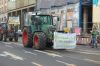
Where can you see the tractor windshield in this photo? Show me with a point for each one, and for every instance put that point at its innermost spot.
(42, 19)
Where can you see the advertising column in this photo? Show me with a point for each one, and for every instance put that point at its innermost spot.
(73, 15)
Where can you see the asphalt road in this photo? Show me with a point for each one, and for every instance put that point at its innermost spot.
(14, 54)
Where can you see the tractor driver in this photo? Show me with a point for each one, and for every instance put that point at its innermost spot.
(37, 22)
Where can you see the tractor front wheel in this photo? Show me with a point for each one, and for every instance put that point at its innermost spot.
(27, 38)
(10, 39)
(39, 40)
(1, 37)
(5, 37)
(16, 39)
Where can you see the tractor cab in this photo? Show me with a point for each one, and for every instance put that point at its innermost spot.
(41, 22)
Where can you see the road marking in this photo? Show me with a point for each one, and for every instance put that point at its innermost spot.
(36, 64)
(54, 55)
(18, 44)
(3, 55)
(93, 61)
(9, 43)
(6, 43)
(15, 57)
(8, 46)
(65, 63)
(50, 54)
(52, 51)
(29, 52)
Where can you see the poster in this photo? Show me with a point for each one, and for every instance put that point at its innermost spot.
(77, 30)
(14, 20)
(73, 15)
(64, 40)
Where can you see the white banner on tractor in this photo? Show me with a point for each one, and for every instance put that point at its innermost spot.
(64, 40)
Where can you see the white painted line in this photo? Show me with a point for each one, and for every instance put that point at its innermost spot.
(29, 52)
(93, 61)
(9, 46)
(62, 62)
(6, 43)
(3, 55)
(54, 55)
(18, 44)
(52, 51)
(40, 51)
(67, 64)
(36, 64)
(50, 54)
(15, 57)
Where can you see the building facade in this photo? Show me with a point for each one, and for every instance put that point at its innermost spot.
(86, 15)
(3, 10)
(19, 8)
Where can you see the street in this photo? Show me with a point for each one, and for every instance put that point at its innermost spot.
(14, 54)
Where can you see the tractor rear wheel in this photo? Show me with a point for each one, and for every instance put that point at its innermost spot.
(1, 37)
(10, 39)
(16, 39)
(5, 37)
(11, 36)
(27, 38)
(39, 40)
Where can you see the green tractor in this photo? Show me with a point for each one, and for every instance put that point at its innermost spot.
(38, 31)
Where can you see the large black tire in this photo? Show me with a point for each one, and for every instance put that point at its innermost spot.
(16, 39)
(39, 40)
(1, 37)
(49, 43)
(11, 39)
(27, 38)
(11, 36)
(5, 37)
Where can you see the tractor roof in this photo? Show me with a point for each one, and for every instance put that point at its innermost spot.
(42, 15)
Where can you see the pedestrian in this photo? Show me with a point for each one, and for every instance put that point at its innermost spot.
(94, 37)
